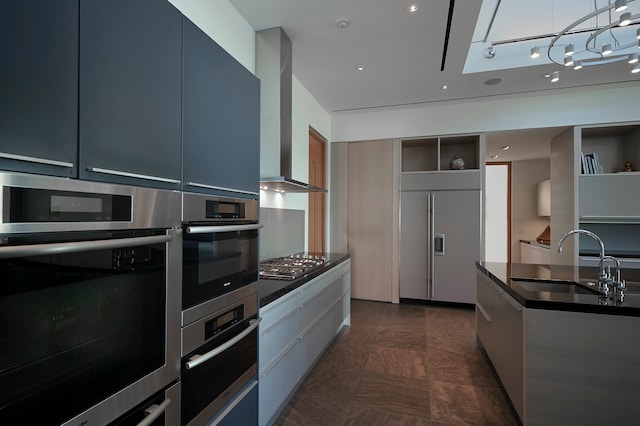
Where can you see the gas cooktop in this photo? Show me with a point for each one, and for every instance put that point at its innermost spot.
(290, 267)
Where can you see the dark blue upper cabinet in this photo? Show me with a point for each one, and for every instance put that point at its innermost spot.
(39, 87)
(221, 119)
(130, 92)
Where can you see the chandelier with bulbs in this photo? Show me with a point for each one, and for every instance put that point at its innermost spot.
(613, 41)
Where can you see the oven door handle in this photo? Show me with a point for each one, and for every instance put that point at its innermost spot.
(221, 228)
(153, 412)
(196, 360)
(76, 246)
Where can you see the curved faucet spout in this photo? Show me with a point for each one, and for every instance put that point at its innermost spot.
(582, 231)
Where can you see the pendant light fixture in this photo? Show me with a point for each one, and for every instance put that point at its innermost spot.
(620, 5)
(535, 52)
(609, 41)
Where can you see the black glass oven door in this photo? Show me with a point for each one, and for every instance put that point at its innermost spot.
(77, 325)
(217, 260)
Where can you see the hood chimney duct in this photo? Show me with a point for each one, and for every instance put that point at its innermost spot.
(274, 68)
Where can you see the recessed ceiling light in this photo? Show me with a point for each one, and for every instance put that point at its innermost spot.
(412, 8)
(506, 147)
(494, 156)
(445, 87)
(360, 68)
(342, 22)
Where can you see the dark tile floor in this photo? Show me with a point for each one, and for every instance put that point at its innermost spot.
(402, 365)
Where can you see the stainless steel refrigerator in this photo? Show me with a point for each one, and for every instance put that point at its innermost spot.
(439, 245)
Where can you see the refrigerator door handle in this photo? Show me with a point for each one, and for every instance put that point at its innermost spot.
(430, 245)
(438, 244)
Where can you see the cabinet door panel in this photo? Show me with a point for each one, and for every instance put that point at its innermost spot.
(414, 245)
(221, 142)
(244, 413)
(276, 382)
(39, 87)
(457, 218)
(130, 92)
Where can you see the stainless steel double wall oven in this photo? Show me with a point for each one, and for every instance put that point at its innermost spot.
(89, 301)
(219, 307)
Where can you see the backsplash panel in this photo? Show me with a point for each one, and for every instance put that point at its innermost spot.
(282, 232)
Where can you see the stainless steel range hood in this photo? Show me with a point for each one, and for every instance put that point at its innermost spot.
(273, 67)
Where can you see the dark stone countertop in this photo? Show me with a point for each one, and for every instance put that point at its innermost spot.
(513, 278)
(270, 290)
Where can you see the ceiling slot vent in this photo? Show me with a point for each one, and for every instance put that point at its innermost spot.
(446, 36)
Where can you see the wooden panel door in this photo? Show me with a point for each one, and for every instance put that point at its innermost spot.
(316, 199)
(370, 218)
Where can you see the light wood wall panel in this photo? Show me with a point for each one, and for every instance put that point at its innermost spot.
(338, 196)
(564, 171)
(370, 219)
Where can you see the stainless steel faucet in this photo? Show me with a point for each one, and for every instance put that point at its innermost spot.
(606, 281)
(582, 231)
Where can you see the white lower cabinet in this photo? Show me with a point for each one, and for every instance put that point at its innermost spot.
(294, 332)
(499, 322)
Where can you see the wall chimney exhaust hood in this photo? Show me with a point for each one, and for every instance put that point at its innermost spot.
(274, 69)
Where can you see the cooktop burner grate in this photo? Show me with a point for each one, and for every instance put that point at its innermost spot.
(290, 267)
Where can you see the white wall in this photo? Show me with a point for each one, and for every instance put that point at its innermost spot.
(222, 22)
(564, 107)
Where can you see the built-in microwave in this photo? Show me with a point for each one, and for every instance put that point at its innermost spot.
(220, 250)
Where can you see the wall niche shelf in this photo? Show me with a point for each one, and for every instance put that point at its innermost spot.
(433, 154)
(614, 146)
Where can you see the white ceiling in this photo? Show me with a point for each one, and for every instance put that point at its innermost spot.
(402, 53)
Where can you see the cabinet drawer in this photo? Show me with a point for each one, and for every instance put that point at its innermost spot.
(276, 382)
(277, 336)
(315, 339)
(484, 309)
(275, 310)
(314, 307)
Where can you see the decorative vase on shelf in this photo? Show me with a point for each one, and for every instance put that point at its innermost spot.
(456, 163)
(628, 166)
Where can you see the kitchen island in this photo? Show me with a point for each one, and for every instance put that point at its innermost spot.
(300, 318)
(564, 353)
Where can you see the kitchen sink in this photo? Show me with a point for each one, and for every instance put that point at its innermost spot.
(554, 286)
